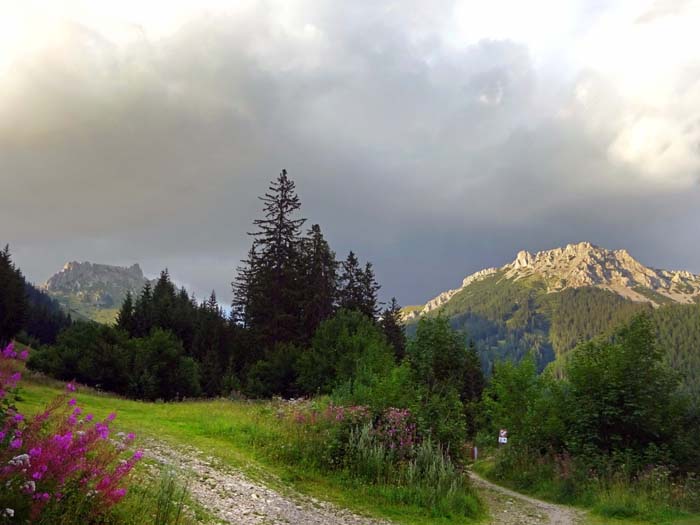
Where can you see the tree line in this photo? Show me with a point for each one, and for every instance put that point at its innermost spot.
(288, 285)
(26, 313)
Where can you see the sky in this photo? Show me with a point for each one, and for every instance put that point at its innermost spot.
(434, 138)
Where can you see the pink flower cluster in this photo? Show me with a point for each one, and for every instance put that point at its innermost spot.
(44, 458)
(354, 414)
(8, 376)
(397, 430)
(309, 415)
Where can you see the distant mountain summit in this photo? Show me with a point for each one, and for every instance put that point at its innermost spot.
(585, 265)
(94, 291)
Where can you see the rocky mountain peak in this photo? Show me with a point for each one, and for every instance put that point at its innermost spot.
(94, 285)
(585, 264)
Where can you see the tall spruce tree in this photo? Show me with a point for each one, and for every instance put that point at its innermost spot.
(273, 284)
(369, 286)
(164, 299)
(13, 299)
(321, 278)
(358, 288)
(242, 289)
(143, 312)
(125, 317)
(350, 286)
(393, 328)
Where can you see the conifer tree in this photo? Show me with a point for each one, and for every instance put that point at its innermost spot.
(212, 305)
(350, 295)
(242, 290)
(125, 317)
(474, 381)
(393, 328)
(370, 303)
(143, 312)
(272, 286)
(164, 297)
(321, 278)
(13, 299)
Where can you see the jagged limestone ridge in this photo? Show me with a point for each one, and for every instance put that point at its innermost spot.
(585, 264)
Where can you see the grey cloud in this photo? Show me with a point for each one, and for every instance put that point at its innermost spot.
(429, 160)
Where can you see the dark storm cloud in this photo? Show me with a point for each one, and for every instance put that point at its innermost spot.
(430, 159)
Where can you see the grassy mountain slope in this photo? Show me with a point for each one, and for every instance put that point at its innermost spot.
(509, 319)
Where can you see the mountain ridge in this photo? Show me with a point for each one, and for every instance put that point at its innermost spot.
(94, 290)
(581, 265)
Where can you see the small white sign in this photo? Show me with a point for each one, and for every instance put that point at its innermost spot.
(502, 439)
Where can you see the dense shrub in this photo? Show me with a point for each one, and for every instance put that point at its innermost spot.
(160, 369)
(92, 354)
(348, 349)
(622, 396)
(446, 378)
(384, 450)
(104, 357)
(275, 374)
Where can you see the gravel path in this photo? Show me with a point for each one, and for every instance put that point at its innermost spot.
(511, 508)
(233, 498)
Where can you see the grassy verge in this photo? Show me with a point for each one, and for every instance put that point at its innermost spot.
(246, 435)
(608, 502)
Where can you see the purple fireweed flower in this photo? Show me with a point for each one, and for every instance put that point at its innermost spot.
(77, 411)
(70, 387)
(131, 436)
(36, 451)
(111, 417)
(72, 402)
(89, 417)
(9, 351)
(24, 355)
(102, 430)
(16, 443)
(138, 455)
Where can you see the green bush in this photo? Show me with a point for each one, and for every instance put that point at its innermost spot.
(104, 357)
(348, 349)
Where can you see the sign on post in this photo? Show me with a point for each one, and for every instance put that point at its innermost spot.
(503, 436)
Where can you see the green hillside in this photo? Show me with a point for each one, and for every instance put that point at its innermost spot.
(509, 319)
(82, 310)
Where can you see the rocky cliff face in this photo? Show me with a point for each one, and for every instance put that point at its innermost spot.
(584, 264)
(98, 286)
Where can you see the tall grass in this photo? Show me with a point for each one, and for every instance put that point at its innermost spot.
(428, 479)
(419, 473)
(653, 495)
(160, 501)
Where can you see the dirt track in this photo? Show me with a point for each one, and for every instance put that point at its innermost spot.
(508, 507)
